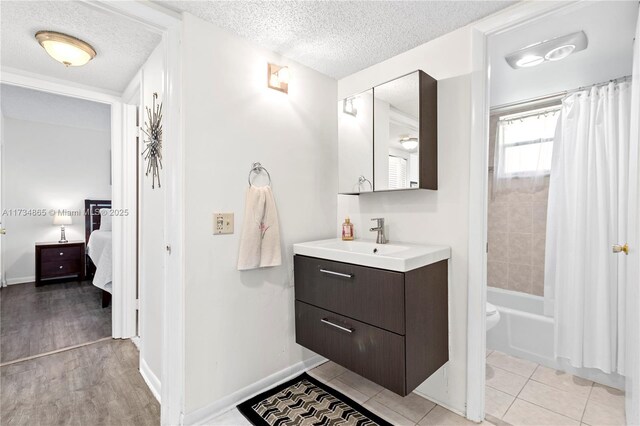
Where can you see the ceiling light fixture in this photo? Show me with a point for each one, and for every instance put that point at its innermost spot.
(278, 77)
(529, 61)
(409, 143)
(548, 50)
(560, 52)
(70, 51)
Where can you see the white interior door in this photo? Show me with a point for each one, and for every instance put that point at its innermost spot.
(632, 267)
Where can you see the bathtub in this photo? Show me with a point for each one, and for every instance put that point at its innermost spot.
(525, 332)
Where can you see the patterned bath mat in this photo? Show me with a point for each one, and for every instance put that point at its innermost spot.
(304, 401)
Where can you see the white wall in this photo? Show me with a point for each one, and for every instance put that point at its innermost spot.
(439, 217)
(151, 237)
(355, 158)
(3, 281)
(240, 325)
(48, 166)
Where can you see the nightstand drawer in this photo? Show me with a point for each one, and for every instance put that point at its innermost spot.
(61, 268)
(55, 254)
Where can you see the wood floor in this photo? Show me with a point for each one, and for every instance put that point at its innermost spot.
(97, 384)
(36, 320)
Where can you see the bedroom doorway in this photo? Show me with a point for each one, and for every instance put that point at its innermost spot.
(56, 210)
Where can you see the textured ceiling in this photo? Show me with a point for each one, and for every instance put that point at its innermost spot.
(32, 105)
(339, 38)
(122, 45)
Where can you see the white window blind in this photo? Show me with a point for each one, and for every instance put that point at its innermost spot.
(397, 172)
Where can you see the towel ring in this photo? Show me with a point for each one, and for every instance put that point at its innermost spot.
(362, 180)
(257, 168)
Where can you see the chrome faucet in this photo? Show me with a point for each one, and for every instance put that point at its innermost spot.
(381, 239)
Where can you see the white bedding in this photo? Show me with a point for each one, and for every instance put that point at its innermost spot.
(100, 251)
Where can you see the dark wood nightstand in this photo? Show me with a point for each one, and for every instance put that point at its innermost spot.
(59, 260)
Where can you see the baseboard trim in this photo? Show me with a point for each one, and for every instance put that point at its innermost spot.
(20, 280)
(150, 379)
(438, 402)
(209, 412)
(136, 341)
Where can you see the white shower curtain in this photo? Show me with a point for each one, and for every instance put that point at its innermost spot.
(586, 216)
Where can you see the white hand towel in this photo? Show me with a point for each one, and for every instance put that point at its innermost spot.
(260, 238)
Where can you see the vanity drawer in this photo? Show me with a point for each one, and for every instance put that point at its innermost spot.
(59, 253)
(370, 295)
(376, 354)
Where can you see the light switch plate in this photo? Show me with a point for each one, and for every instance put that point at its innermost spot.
(222, 223)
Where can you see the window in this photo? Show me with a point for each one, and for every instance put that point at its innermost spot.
(525, 143)
(397, 172)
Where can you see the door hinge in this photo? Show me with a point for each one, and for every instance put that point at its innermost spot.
(137, 304)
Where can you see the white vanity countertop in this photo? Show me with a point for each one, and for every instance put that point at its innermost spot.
(401, 257)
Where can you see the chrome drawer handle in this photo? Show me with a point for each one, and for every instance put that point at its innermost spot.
(60, 266)
(326, 321)
(337, 274)
(61, 253)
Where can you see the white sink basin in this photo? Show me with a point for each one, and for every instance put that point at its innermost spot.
(399, 257)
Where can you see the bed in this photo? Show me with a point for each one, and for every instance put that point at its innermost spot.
(99, 247)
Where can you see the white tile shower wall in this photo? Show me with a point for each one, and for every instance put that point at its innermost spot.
(517, 221)
(240, 325)
(431, 217)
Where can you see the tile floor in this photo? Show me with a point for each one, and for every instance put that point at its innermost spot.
(521, 392)
(518, 392)
(410, 410)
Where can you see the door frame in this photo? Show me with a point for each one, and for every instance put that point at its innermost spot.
(169, 25)
(123, 237)
(506, 20)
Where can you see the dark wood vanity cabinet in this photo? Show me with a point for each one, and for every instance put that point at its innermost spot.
(390, 327)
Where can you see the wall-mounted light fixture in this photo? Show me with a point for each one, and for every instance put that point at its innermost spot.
(409, 143)
(349, 106)
(548, 50)
(278, 77)
(69, 50)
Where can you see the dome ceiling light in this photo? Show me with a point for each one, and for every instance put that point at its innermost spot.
(66, 49)
(409, 143)
(548, 51)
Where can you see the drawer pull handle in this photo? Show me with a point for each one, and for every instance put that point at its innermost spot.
(326, 321)
(337, 274)
(60, 266)
(61, 253)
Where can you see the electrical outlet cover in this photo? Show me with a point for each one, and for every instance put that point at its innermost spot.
(222, 223)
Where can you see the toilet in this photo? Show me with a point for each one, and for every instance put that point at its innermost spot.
(493, 316)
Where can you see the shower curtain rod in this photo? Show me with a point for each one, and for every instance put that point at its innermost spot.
(553, 96)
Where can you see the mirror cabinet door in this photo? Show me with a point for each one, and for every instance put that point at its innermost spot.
(355, 147)
(397, 134)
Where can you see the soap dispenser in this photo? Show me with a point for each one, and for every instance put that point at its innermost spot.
(347, 230)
